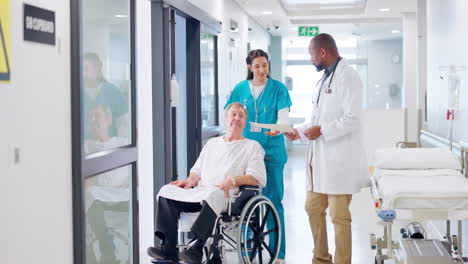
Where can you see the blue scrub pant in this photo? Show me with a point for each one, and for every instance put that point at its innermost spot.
(274, 191)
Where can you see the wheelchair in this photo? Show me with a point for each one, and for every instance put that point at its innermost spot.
(241, 233)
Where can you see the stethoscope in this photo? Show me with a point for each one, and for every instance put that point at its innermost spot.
(328, 90)
(259, 100)
(255, 101)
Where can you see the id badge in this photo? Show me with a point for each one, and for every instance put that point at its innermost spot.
(255, 129)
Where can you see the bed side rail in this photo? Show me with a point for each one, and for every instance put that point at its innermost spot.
(464, 160)
(406, 144)
(375, 194)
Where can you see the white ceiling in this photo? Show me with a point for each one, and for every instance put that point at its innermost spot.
(322, 2)
(356, 17)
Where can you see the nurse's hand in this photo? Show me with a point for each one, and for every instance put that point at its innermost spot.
(312, 133)
(293, 135)
(272, 133)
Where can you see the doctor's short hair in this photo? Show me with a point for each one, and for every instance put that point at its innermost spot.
(253, 54)
(235, 105)
(327, 42)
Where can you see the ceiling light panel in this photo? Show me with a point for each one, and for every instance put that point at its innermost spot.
(320, 2)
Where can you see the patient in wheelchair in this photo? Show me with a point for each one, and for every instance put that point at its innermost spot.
(106, 195)
(224, 164)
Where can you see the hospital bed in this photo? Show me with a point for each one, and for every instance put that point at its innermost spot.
(419, 184)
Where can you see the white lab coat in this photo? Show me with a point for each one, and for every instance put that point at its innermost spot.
(338, 156)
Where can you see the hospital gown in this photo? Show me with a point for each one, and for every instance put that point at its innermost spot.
(217, 161)
(111, 186)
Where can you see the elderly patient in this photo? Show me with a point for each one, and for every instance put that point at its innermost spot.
(224, 164)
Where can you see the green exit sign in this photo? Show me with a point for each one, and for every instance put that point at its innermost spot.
(307, 31)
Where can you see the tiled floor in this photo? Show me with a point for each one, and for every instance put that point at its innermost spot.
(299, 243)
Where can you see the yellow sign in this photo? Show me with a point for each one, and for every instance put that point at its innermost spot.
(5, 58)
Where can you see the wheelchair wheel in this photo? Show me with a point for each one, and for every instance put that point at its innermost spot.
(256, 241)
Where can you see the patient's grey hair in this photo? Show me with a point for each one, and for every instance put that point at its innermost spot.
(235, 105)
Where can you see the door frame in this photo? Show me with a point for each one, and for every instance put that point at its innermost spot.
(163, 66)
(84, 167)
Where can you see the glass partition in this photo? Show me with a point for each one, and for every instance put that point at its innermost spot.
(104, 146)
(106, 74)
(108, 216)
(209, 93)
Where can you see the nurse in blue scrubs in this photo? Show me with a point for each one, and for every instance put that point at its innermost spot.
(267, 101)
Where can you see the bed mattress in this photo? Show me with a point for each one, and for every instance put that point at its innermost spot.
(424, 189)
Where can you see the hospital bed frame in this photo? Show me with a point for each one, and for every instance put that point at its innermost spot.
(386, 242)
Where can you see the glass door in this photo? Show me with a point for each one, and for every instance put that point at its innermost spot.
(104, 132)
(181, 114)
(209, 86)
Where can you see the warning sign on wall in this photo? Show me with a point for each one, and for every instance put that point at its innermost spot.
(5, 74)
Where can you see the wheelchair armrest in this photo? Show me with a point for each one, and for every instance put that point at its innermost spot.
(245, 193)
(249, 187)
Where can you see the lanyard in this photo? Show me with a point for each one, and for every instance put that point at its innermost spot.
(259, 98)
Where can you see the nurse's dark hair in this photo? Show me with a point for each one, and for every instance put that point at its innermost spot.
(235, 105)
(327, 42)
(94, 59)
(253, 54)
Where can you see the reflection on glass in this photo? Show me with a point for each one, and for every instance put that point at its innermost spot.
(106, 74)
(107, 214)
(100, 130)
(208, 100)
(382, 76)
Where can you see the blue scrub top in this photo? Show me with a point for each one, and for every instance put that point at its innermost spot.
(109, 96)
(275, 97)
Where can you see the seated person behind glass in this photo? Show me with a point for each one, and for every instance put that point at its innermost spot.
(99, 91)
(106, 192)
(100, 122)
(224, 164)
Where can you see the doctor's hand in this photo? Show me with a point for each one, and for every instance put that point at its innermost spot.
(292, 135)
(226, 186)
(312, 133)
(272, 133)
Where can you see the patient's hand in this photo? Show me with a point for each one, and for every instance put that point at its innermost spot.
(226, 186)
(186, 184)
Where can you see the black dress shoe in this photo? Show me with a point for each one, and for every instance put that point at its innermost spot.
(192, 255)
(163, 253)
(215, 260)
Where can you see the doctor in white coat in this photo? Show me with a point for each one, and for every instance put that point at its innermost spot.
(336, 159)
